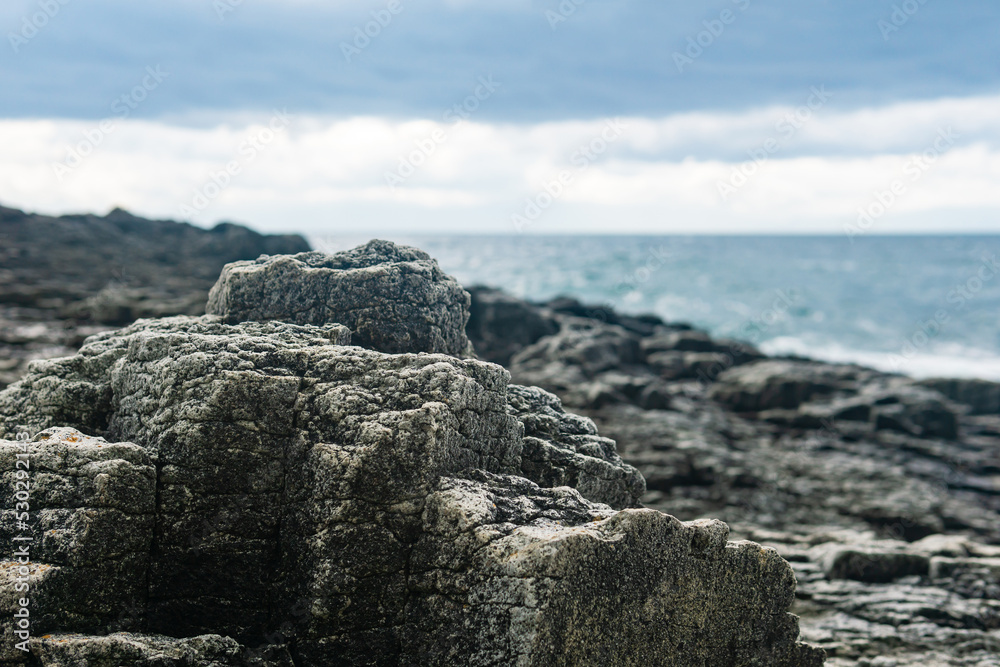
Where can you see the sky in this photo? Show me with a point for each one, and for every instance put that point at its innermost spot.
(507, 116)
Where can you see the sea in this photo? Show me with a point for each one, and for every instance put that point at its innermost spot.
(925, 306)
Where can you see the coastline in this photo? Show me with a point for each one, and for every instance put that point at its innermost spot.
(879, 491)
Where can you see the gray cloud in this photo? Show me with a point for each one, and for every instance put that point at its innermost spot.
(608, 57)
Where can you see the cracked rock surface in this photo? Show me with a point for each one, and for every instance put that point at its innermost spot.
(264, 493)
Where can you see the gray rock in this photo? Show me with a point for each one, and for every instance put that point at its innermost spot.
(358, 507)
(590, 346)
(500, 325)
(915, 410)
(91, 517)
(393, 298)
(876, 566)
(703, 366)
(946, 615)
(680, 341)
(902, 408)
(122, 648)
(772, 384)
(563, 449)
(65, 278)
(591, 364)
(642, 325)
(982, 396)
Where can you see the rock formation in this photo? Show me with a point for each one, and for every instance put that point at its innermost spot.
(882, 492)
(237, 489)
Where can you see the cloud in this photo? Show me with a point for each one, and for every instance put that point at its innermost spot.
(608, 58)
(656, 175)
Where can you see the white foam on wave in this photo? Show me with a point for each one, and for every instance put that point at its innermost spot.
(953, 360)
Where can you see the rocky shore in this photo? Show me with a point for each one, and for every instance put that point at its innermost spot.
(255, 490)
(326, 469)
(882, 492)
(65, 278)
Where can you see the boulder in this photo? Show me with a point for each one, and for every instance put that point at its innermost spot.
(393, 298)
(590, 364)
(65, 278)
(703, 366)
(641, 325)
(588, 345)
(902, 408)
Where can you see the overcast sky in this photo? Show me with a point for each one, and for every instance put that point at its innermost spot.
(507, 116)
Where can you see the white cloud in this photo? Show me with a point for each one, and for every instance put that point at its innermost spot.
(659, 175)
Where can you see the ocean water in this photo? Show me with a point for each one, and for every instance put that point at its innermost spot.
(920, 305)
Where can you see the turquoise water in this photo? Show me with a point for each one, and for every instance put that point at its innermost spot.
(920, 305)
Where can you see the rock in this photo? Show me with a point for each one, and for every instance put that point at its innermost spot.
(562, 449)
(972, 577)
(772, 384)
(354, 507)
(982, 396)
(788, 470)
(914, 410)
(587, 363)
(904, 409)
(500, 325)
(641, 325)
(693, 354)
(92, 514)
(824, 393)
(703, 366)
(121, 648)
(63, 279)
(578, 619)
(874, 566)
(590, 346)
(948, 615)
(943, 545)
(393, 298)
(680, 341)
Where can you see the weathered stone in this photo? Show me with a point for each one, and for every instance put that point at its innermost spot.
(913, 410)
(703, 366)
(589, 364)
(393, 298)
(642, 325)
(657, 603)
(590, 346)
(366, 508)
(122, 648)
(90, 519)
(562, 449)
(65, 278)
